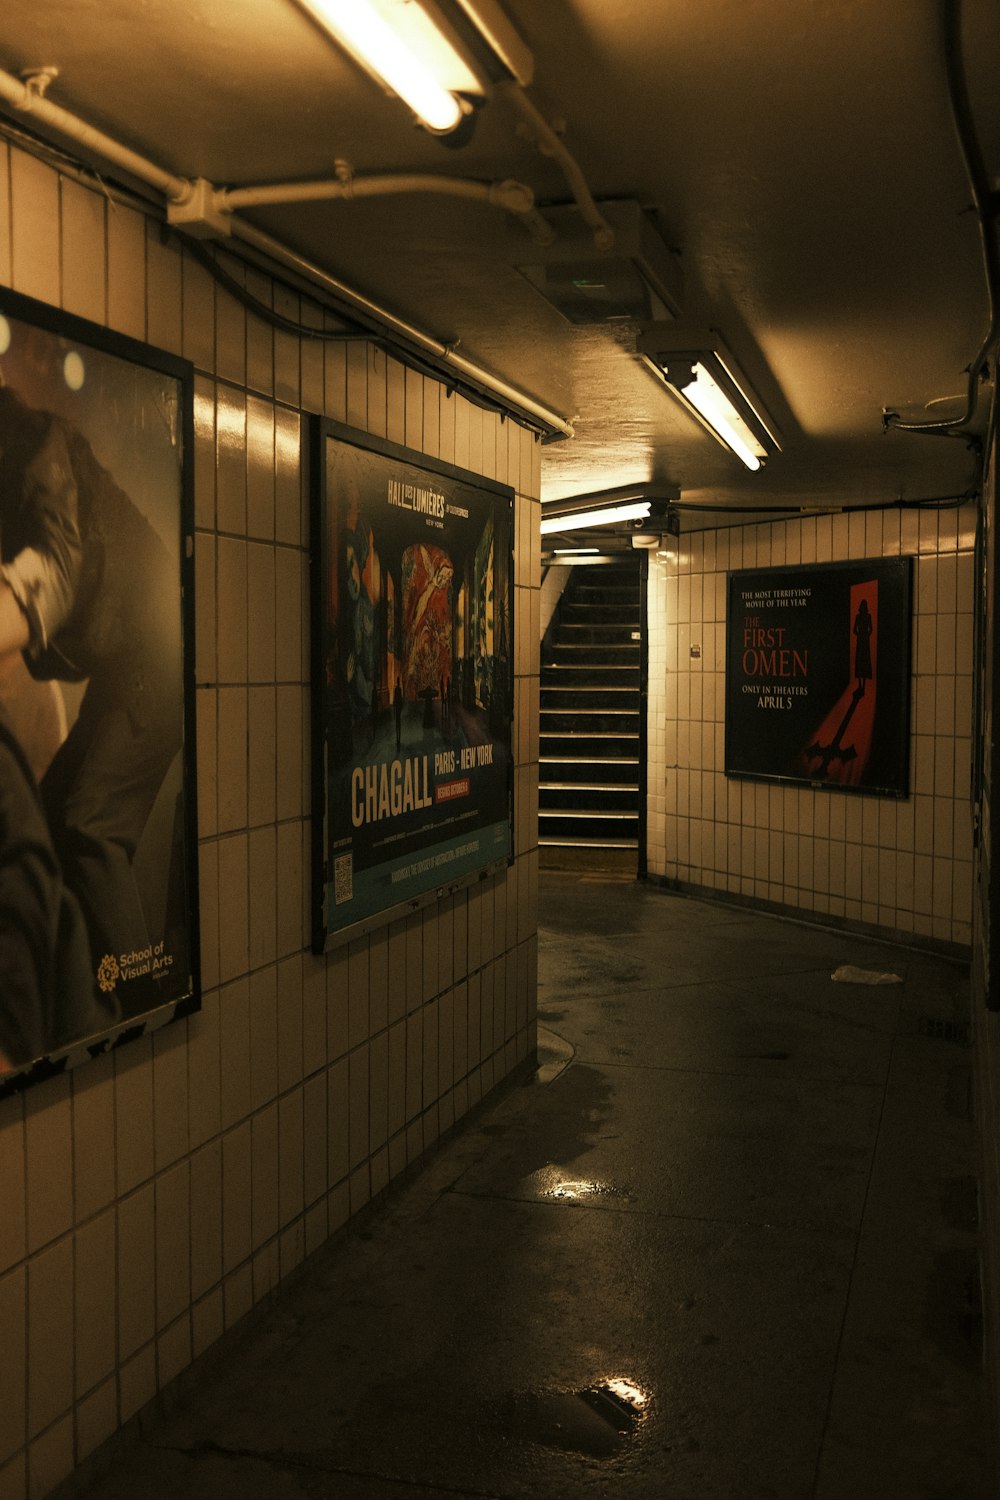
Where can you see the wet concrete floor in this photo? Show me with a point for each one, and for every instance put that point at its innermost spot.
(722, 1247)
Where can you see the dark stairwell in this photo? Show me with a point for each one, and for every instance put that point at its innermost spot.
(589, 728)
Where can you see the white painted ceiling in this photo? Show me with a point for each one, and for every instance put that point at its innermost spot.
(799, 154)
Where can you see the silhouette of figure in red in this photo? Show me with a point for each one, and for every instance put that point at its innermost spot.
(863, 651)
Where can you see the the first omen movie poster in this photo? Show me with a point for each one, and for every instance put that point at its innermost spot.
(818, 675)
(412, 679)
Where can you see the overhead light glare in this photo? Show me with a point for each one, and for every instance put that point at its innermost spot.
(398, 42)
(579, 520)
(699, 371)
(711, 401)
(579, 559)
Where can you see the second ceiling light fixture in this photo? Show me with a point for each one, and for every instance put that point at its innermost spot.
(440, 58)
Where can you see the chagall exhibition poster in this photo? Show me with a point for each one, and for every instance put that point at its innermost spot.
(412, 678)
(818, 675)
(98, 929)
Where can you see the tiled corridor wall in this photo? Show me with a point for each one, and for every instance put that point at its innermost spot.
(150, 1199)
(903, 866)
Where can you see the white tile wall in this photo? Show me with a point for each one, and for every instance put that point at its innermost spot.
(151, 1198)
(903, 866)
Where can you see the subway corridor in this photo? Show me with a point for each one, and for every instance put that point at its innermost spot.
(723, 1246)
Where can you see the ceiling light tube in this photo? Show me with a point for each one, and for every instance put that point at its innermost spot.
(578, 520)
(711, 401)
(398, 42)
(699, 371)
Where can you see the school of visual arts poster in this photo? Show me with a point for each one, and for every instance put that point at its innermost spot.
(97, 905)
(818, 675)
(413, 678)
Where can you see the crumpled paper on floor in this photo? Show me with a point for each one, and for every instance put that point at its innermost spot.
(851, 974)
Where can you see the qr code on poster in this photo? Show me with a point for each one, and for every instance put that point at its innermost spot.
(343, 879)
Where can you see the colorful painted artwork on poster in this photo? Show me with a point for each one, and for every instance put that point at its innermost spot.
(818, 675)
(97, 898)
(413, 678)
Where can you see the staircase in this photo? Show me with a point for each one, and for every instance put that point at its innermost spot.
(588, 800)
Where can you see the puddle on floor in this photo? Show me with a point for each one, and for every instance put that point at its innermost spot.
(553, 1181)
(598, 1421)
(576, 1192)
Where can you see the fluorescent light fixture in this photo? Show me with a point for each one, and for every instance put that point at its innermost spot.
(435, 54)
(574, 551)
(625, 502)
(579, 520)
(399, 44)
(698, 369)
(708, 398)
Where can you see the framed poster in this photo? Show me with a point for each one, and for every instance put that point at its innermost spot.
(98, 897)
(818, 675)
(413, 679)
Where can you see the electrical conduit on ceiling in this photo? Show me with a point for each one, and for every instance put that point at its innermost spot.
(29, 98)
(534, 127)
(986, 204)
(515, 197)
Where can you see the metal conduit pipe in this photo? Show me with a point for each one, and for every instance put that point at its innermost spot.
(372, 313)
(515, 197)
(28, 98)
(985, 201)
(548, 143)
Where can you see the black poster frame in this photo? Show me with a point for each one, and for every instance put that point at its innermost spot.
(106, 802)
(383, 515)
(818, 675)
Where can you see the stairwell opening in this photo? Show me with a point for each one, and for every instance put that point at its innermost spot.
(592, 721)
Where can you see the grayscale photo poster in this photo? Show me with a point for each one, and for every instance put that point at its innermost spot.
(412, 678)
(98, 908)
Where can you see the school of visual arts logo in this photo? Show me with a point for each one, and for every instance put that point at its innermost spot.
(108, 972)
